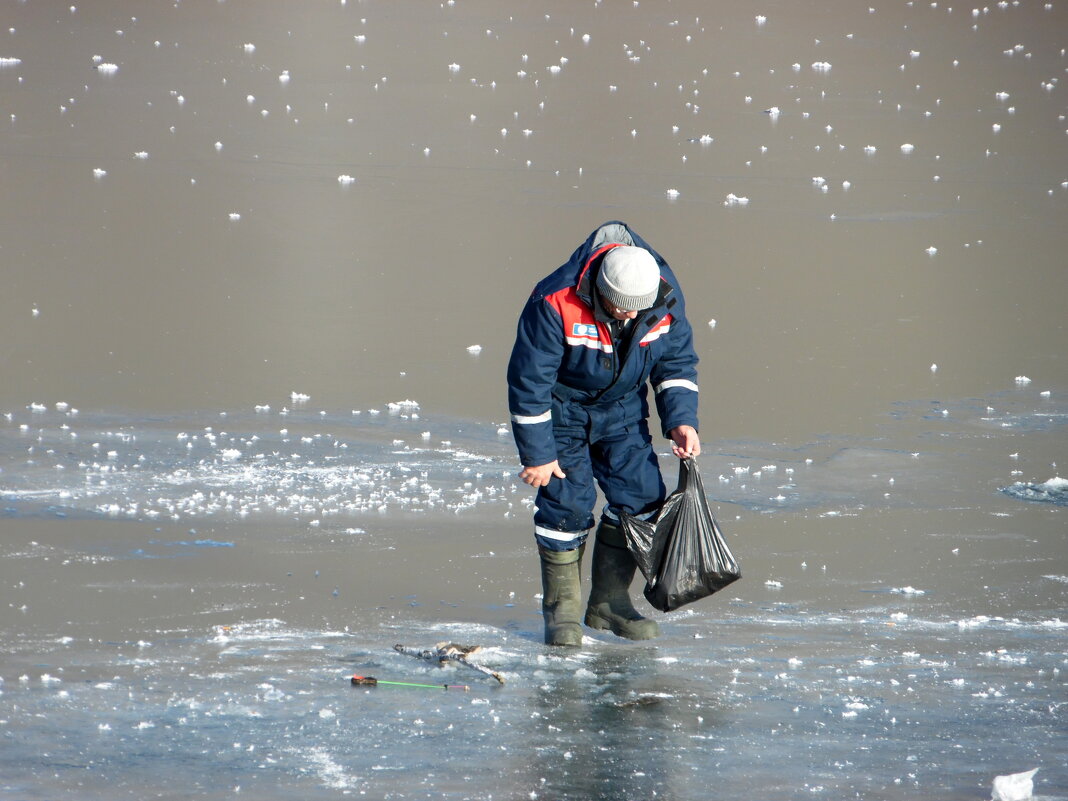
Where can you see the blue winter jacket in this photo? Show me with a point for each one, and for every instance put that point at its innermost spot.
(565, 375)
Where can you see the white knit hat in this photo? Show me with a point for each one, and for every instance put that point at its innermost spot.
(629, 278)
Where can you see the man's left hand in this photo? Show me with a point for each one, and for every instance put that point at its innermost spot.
(685, 442)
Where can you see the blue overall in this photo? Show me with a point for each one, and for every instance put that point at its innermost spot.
(577, 391)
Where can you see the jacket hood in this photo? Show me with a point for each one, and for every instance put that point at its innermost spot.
(613, 232)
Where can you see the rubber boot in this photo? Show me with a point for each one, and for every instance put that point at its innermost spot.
(561, 603)
(610, 606)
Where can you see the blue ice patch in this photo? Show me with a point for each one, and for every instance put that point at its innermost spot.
(1054, 491)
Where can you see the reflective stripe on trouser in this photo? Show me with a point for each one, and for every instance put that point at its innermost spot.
(622, 464)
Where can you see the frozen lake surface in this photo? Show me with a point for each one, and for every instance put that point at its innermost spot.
(236, 237)
(875, 702)
(849, 662)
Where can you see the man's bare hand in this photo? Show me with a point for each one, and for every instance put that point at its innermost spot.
(541, 475)
(685, 442)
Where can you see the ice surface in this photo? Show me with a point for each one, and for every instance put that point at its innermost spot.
(361, 468)
(278, 696)
(837, 698)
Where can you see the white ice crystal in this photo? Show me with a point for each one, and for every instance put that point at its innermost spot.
(1014, 786)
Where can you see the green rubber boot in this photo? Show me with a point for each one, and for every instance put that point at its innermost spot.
(610, 606)
(561, 602)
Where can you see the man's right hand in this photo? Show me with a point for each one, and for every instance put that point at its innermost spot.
(542, 474)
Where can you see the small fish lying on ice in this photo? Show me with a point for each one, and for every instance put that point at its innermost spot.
(450, 652)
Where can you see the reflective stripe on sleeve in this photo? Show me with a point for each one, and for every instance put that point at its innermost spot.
(675, 382)
(527, 420)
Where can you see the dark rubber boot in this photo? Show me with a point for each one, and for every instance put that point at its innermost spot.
(610, 606)
(561, 596)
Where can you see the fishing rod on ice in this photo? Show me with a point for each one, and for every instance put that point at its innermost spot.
(371, 681)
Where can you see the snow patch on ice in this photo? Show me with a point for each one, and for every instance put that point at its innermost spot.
(1014, 786)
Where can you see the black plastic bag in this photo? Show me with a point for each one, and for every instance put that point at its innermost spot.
(681, 551)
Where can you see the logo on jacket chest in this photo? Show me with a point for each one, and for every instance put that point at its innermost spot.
(587, 330)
